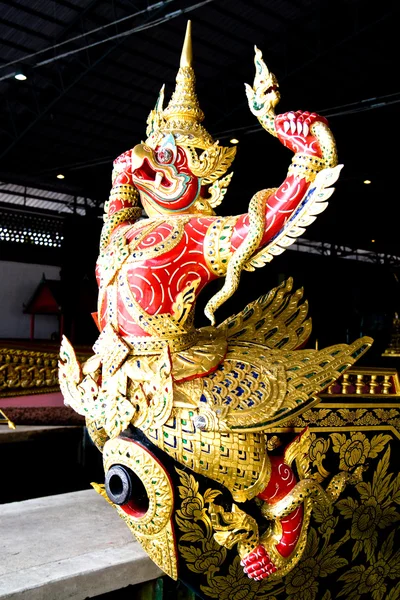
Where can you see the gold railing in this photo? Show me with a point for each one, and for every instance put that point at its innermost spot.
(24, 372)
(366, 381)
(27, 372)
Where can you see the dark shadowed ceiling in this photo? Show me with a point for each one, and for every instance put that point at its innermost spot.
(86, 100)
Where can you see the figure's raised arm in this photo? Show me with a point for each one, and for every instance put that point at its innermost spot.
(180, 173)
(275, 216)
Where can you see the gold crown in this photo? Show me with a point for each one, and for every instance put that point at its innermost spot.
(182, 118)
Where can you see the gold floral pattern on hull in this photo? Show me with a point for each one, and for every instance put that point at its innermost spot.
(192, 518)
(350, 549)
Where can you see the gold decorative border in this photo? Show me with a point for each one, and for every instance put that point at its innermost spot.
(154, 529)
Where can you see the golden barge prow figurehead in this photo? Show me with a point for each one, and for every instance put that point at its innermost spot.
(183, 415)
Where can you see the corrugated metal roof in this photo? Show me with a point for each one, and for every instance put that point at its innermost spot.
(75, 115)
(31, 197)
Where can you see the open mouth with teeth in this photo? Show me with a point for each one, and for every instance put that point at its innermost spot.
(164, 185)
(148, 174)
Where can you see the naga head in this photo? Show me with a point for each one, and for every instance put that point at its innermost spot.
(264, 95)
(180, 168)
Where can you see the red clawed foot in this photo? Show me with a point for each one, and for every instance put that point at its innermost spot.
(257, 565)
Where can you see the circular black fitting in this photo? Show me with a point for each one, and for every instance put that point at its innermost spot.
(119, 484)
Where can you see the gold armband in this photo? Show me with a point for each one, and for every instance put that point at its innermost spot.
(217, 245)
(122, 192)
(110, 223)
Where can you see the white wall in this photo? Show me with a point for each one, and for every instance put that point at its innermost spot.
(18, 281)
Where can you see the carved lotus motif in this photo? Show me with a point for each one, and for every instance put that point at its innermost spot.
(235, 585)
(208, 561)
(318, 448)
(354, 451)
(301, 583)
(193, 508)
(366, 518)
(373, 580)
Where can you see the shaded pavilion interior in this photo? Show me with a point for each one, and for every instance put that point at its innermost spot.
(93, 71)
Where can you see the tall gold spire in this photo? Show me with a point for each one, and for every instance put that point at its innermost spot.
(184, 105)
(187, 51)
(182, 118)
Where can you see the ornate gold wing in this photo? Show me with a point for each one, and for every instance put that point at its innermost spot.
(309, 372)
(275, 320)
(256, 388)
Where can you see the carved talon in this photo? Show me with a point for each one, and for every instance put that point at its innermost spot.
(294, 130)
(257, 565)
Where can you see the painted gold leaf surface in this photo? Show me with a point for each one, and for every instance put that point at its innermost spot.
(352, 550)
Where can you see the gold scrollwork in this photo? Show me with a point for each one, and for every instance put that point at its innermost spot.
(154, 529)
(325, 416)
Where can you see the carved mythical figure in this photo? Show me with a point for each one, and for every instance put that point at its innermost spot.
(161, 397)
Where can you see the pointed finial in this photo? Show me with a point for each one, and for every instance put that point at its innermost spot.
(184, 104)
(187, 53)
(183, 117)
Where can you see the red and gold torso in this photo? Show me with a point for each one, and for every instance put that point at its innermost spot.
(168, 254)
(165, 258)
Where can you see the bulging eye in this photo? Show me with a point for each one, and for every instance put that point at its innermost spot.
(165, 155)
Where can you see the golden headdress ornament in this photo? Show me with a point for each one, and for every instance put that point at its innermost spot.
(182, 118)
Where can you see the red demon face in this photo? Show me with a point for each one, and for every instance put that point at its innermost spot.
(163, 178)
